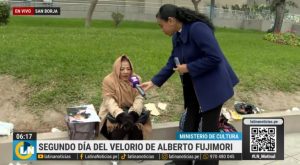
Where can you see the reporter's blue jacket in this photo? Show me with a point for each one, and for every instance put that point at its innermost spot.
(212, 76)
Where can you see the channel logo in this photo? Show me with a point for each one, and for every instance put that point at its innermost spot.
(24, 150)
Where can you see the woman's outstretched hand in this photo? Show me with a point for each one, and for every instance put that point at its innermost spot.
(147, 85)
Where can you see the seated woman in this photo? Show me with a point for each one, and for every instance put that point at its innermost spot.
(121, 111)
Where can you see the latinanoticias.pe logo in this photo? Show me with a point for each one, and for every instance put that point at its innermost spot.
(24, 150)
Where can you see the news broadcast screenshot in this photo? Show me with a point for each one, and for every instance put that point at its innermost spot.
(149, 82)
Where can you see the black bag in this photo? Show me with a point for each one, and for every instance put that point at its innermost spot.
(223, 124)
(82, 131)
(244, 108)
(142, 119)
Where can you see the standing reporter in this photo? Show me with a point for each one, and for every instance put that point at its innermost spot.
(207, 77)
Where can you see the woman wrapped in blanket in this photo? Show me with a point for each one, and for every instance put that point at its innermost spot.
(122, 111)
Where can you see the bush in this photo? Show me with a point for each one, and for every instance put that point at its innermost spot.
(117, 17)
(225, 7)
(4, 13)
(288, 38)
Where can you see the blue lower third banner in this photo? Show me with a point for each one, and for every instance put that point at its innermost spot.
(187, 146)
(209, 136)
(211, 146)
(262, 139)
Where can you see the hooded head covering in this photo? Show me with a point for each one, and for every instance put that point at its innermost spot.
(117, 88)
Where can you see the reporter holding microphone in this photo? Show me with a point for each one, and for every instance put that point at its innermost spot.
(207, 78)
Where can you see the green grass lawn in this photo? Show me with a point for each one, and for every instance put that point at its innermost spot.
(64, 63)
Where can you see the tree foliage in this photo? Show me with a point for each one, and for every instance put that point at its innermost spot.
(4, 13)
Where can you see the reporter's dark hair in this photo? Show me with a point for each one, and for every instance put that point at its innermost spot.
(182, 14)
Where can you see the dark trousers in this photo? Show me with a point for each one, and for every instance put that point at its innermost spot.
(197, 121)
(203, 122)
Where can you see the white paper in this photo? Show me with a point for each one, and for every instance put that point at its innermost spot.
(6, 128)
(151, 107)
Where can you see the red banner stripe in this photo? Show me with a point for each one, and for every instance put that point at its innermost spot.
(23, 10)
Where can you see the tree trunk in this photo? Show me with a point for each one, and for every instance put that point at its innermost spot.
(196, 3)
(212, 9)
(89, 15)
(279, 15)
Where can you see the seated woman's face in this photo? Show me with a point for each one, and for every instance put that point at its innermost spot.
(125, 70)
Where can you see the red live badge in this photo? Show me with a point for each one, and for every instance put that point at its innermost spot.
(23, 10)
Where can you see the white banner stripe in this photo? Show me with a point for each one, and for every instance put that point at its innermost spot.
(144, 146)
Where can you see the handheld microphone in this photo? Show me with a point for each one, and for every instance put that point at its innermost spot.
(135, 82)
(176, 60)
